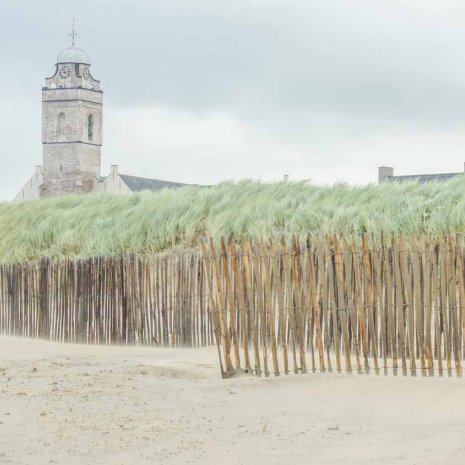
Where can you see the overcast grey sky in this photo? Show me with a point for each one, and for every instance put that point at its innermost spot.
(202, 91)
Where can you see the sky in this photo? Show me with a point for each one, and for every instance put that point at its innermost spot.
(206, 91)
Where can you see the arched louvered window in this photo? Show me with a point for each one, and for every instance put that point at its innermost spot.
(90, 127)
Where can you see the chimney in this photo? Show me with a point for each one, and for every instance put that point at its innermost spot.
(384, 172)
(38, 169)
(113, 171)
(286, 178)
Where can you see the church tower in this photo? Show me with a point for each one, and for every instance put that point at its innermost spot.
(71, 126)
(72, 104)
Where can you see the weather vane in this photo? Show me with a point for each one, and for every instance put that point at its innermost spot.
(74, 33)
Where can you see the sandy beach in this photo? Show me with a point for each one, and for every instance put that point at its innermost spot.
(77, 404)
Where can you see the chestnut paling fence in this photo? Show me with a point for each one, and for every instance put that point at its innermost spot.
(132, 299)
(389, 304)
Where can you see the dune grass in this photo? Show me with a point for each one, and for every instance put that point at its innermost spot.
(103, 224)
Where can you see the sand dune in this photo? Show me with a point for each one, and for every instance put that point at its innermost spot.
(73, 404)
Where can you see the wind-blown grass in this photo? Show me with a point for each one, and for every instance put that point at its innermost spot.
(104, 224)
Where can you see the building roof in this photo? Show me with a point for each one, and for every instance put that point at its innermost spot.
(422, 178)
(136, 183)
(73, 55)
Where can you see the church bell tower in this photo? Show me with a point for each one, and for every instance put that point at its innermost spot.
(71, 126)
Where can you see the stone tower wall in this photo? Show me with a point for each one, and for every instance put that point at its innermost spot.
(75, 105)
(71, 150)
(70, 168)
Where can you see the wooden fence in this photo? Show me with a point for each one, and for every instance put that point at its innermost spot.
(324, 304)
(155, 300)
(338, 303)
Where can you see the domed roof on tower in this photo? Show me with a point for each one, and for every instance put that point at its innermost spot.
(73, 55)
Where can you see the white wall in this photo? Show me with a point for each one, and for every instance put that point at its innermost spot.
(30, 191)
(113, 184)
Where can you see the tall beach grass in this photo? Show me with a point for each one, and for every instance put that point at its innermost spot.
(104, 224)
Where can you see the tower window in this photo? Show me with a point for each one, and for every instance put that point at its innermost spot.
(61, 126)
(90, 127)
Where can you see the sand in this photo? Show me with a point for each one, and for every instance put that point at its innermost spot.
(76, 404)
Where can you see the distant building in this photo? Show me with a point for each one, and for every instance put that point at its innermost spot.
(386, 174)
(125, 184)
(72, 123)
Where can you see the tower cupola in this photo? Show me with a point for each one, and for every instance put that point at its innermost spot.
(72, 69)
(73, 55)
